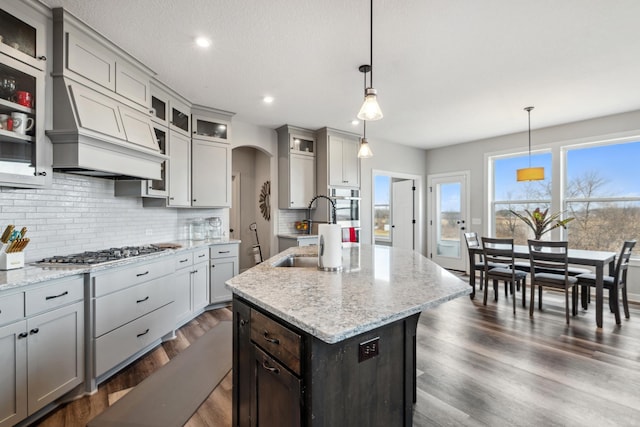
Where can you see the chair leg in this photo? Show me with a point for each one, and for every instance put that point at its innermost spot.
(486, 292)
(495, 290)
(574, 300)
(584, 291)
(625, 301)
(481, 279)
(524, 292)
(507, 285)
(613, 299)
(540, 297)
(566, 303)
(533, 297)
(513, 297)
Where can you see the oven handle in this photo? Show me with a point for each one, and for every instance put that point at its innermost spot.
(346, 198)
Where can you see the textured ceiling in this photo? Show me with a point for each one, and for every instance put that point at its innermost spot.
(446, 71)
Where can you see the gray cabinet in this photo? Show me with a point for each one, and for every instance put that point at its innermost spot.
(210, 174)
(296, 167)
(42, 349)
(338, 162)
(224, 265)
(25, 159)
(132, 309)
(179, 170)
(191, 283)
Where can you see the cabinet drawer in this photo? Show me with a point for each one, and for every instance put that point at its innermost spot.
(277, 339)
(11, 308)
(120, 344)
(183, 260)
(132, 275)
(54, 295)
(123, 306)
(200, 255)
(224, 251)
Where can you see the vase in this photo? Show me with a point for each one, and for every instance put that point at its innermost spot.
(537, 247)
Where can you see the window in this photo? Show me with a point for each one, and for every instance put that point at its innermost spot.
(510, 194)
(599, 190)
(603, 195)
(381, 206)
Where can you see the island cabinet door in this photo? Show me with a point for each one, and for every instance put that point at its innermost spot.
(276, 394)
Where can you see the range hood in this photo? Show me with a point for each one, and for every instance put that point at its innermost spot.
(94, 134)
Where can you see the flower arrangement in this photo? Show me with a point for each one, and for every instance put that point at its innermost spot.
(540, 223)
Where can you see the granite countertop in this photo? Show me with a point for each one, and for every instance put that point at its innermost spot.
(33, 273)
(378, 285)
(298, 236)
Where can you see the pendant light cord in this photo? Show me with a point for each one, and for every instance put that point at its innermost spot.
(528, 110)
(371, 45)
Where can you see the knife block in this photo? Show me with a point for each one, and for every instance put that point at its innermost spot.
(9, 261)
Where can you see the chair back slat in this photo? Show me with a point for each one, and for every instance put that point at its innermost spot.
(622, 262)
(546, 255)
(497, 251)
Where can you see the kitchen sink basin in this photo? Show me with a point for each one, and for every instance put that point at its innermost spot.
(298, 261)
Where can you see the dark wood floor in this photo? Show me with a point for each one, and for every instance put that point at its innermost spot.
(477, 366)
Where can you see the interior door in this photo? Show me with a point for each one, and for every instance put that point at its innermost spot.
(448, 219)
(402, 215)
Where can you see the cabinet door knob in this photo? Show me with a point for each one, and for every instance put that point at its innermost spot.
(22, 335)
(34, 331)
(42, 58)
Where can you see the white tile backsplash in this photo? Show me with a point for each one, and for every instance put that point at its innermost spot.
(287, 219)
(81, 213)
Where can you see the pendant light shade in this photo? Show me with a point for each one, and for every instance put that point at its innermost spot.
(365, 151)
(530, 173)
(370, 109)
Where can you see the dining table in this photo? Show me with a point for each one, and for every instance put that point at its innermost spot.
(596, 259)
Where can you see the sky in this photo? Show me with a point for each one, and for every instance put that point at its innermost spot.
(617, 164)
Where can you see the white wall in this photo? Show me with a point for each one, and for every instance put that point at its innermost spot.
(265, 140)
(471, 156)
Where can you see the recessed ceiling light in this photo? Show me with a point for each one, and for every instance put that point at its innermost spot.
(355, 122)
(268, 99)
(203, 42)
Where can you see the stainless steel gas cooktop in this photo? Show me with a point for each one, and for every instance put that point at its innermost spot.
(92, 258)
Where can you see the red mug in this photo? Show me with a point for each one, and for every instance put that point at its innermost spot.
(23, 98)
(9, 123)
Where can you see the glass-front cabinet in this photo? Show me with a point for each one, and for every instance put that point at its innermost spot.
(25, 154)
(210, 129)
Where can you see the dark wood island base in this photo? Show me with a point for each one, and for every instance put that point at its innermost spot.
(283, 376)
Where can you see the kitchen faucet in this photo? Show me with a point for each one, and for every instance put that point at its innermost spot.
(333, 207)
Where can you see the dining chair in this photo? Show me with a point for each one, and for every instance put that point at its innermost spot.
(498, 262)
(616, 284)
(549, 268)
(473, 243)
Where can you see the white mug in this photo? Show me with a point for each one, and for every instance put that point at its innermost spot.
(22, 123)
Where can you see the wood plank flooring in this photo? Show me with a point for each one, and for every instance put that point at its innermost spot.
(477, 366)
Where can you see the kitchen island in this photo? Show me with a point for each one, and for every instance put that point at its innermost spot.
(332, 349)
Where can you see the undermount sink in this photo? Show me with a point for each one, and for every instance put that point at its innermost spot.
(298, 261)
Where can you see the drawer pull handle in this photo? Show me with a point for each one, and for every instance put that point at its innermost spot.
(57, 296)
(184, 260)
(144, 333)
(142, 274)
(271, 340)
(201, 256)
(142, 300)
(22, 335)
(273, 369)
(34, 331)
(223, 252)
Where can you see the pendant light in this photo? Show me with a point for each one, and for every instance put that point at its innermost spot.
(530, 173)
(365, 150)
(370, 109)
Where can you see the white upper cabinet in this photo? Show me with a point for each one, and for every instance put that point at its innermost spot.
(338, 162)
(296, 167)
